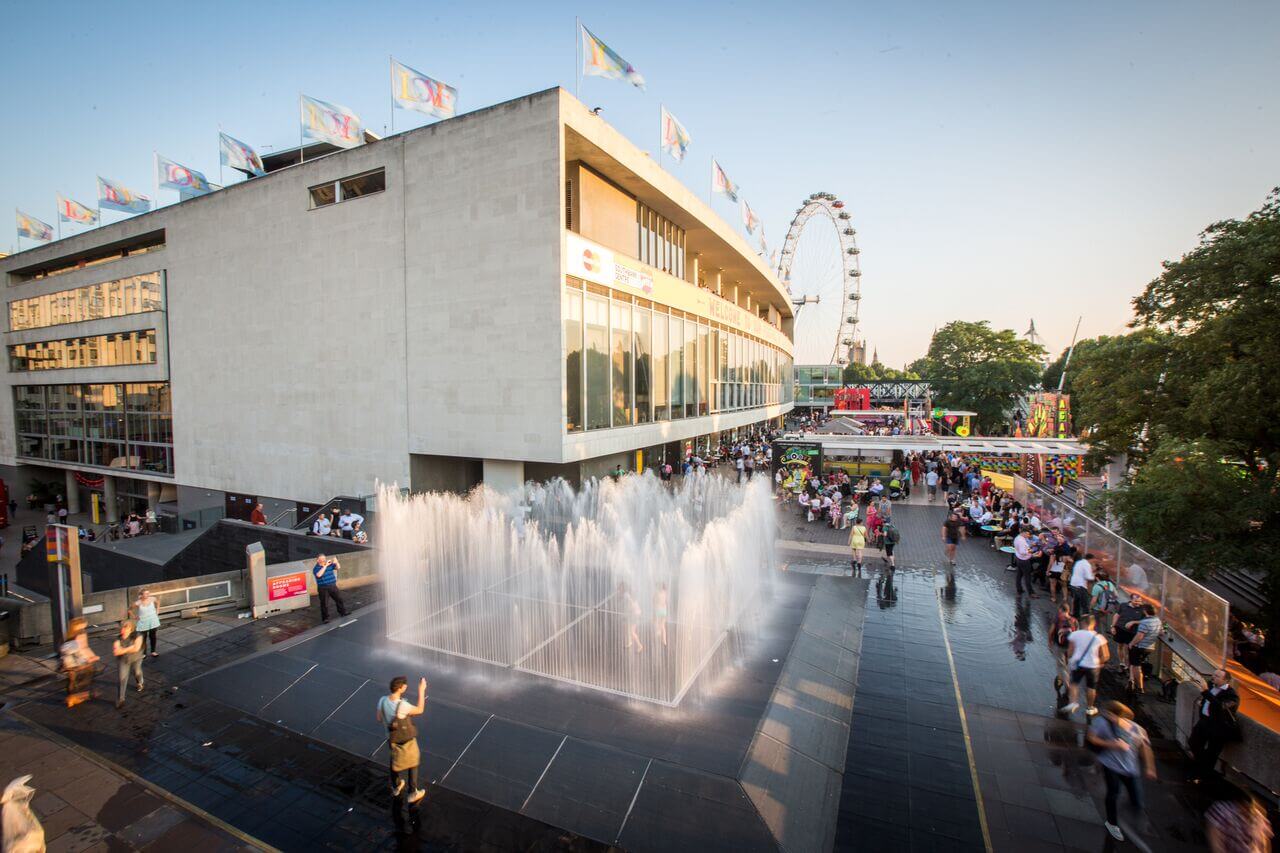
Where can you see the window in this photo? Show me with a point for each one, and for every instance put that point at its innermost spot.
(98, 351)
(661, 242)
(661, 380)
(596, 346)
(134, 295)
(573, 359)
(676, 341)
(623, 394)
(690, 368)
(346, 189)
(140, 245)
(107, 426)
(644, 358)
(366, 184)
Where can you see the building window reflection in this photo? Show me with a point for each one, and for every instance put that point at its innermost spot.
(111, 350)
(124, 296)
(106, 426)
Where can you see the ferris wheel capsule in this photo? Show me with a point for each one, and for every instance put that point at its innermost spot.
(854, 297)
(855, 273)
(855, 251)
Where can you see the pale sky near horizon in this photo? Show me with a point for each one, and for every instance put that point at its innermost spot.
(1002, 161)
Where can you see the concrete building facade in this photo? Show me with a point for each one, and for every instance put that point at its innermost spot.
(424, 309)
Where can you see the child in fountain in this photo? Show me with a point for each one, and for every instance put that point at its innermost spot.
(660, 613)
(631, 608)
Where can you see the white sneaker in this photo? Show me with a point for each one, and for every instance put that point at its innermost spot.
(1071, 707)
(1091, 712)
(419, 794)
(1115, 831)
(395, 792)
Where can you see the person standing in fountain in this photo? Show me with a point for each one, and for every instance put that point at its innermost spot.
(631, 609)
(394, 711)
(857, 541)
(660, 613)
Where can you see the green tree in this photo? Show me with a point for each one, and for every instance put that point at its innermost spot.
(972, 366)
(1049, 381)
(1195, 392)
(1118, 401)
(855, 373)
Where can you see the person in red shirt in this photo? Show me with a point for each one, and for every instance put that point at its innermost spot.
(258, 516)
(986, 486)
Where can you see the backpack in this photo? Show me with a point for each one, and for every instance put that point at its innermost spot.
(1110, 602)
(401, 729)
(891, 534)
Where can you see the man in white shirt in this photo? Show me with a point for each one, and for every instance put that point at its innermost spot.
(321, 526)
(1087, 652)
(346, 520)
(1081, 579)
(931, 480)
(1022, 561)
(741, 465)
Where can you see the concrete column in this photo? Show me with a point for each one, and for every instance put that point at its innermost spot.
(503, 474)
(153, 495)
(714, 282)
(109, 499)
(72, 491)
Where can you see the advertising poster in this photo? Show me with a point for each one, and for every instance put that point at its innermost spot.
(286, 586)
(800, 461)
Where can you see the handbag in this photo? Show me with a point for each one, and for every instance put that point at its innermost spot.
(401, 729)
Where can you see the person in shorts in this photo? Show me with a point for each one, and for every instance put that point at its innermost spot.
(951, 530)
(1088, 653)
(1141, 642)
(1127, 619)
(394, 712)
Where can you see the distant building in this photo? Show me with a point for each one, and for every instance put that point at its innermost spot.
(1034, 337)
(858, 352)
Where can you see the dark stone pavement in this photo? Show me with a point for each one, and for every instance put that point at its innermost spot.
(279, 788)
(1038, 787)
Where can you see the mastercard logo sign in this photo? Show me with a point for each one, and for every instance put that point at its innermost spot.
(590, 261)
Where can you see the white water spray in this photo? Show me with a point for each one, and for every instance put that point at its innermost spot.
(580, 586)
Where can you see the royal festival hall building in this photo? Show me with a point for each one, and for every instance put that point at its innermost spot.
(516, 293)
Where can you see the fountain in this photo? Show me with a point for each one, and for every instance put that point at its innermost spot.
(628, 587)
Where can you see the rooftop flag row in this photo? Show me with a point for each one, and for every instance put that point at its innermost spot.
(335, 124)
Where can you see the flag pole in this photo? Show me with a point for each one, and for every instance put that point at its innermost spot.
(221, 179)
(577, 58)
(392, 67)
(155, 175)
(302, 148)
(662, 111)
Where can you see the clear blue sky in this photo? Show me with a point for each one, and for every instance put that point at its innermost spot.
(1002, 161)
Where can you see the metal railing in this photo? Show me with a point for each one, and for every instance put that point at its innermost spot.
(1199, 617)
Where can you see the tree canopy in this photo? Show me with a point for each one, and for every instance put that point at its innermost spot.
(972, 366)
(856, 373)
(1193, 396)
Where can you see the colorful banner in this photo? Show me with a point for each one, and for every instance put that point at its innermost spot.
(332, 123)
(29, 226)
(70, 210)
(175, 176)
(749, 219)
(234, 153)
(599, 60)
(116, 196)
(413, 90)
(675, 139)
(720, 182)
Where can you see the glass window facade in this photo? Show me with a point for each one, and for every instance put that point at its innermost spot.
(126, 426)
(661, 244)
(97, 351)
(134, 295)
(629, 361)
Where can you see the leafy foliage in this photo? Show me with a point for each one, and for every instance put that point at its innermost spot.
(855, 373)
(972, 366)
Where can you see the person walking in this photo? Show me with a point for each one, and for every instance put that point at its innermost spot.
(891, 539)
(857, 542)
(1022, 561)
(146, 610)
(1081, 577)
(127, 649)
(395, 712)
(1127, 618)
(78, 661)
(258, 517)
(952, 529)
(1142, 641)
(326, 574)
(1124, 754)
(1104, 601)
(1088, 652)
(1216, 724)
(1238, 823)
(931, 483)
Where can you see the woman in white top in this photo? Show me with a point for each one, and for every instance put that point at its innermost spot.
(394, 712)
(146, 611)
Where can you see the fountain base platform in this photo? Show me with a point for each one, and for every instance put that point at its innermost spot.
(622, 771)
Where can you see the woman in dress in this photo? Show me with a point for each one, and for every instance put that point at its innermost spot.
(857, 541)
